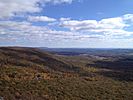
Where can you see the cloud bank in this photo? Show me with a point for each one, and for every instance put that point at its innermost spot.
(56, 30)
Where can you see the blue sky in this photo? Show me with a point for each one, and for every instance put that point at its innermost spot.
(67, 23)
(90, 9)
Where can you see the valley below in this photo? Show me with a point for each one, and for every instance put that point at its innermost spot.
(66, 74)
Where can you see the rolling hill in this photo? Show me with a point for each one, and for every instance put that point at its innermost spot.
(35, 74)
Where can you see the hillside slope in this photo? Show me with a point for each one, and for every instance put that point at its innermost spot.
(33, 74)
(32, 57)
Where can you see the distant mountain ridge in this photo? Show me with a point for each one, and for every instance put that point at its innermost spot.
(89, 51)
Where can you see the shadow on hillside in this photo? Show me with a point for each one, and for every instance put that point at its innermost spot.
(121, 69)
(33, 58)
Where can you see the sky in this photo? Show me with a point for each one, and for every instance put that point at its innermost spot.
(67, 23)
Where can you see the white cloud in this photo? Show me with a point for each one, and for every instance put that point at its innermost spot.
(9, 8)
(27, 31)
(78, 25)
(128, 17)
(78, 30)
(110, 26)
(41, 18)
(65, 19)
(110, 23)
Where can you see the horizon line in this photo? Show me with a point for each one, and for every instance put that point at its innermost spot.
(67, 47)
